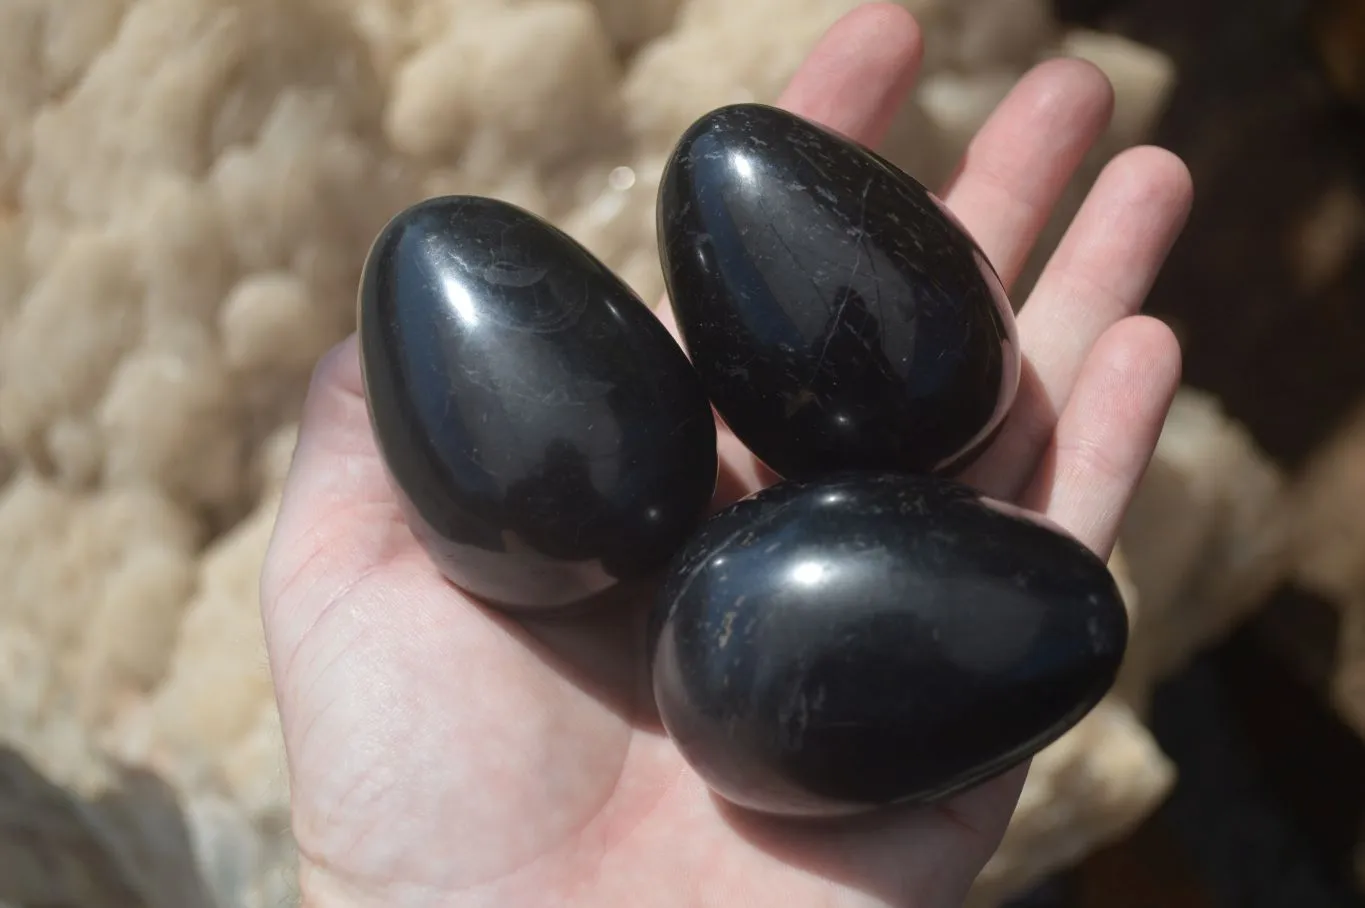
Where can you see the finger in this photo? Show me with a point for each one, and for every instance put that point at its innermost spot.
(1019, 163)
(1100, 274)
(337, 509)
(882, 44)
(1108, 431)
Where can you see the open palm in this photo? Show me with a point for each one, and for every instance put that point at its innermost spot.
(441, 754)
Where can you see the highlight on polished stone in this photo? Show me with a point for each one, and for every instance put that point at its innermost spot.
(870, 639)
(545, 435)
(839, 316)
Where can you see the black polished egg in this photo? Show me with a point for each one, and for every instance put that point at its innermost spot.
(864, 640)
(546, 436)
(839, 317)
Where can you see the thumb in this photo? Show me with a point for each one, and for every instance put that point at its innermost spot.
(338, 519)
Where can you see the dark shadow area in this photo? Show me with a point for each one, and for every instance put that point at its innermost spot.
(1269, 797)
(1267, 285)
(130, 848)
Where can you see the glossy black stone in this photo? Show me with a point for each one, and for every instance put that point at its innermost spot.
(841, 645)
(546, 436)
(839, 317)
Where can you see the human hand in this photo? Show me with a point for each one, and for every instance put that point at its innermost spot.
(442, 754)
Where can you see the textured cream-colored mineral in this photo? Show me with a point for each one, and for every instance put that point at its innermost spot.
(1207, 537)
(1329, 555)
(1089, 788)
(187, 190)
(1328, 558)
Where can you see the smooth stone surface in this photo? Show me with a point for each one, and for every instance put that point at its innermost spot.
(546, 436)
(870, 639)
(839, 317)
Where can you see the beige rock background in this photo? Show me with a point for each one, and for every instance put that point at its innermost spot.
(1329, 556)
(187, 190)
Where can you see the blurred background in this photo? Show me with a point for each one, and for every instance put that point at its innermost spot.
(187, 191)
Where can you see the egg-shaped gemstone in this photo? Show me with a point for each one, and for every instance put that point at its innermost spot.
(864, 640)
(839, 316)
(545, 435)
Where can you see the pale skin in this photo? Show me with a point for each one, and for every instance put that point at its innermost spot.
(441, 754)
